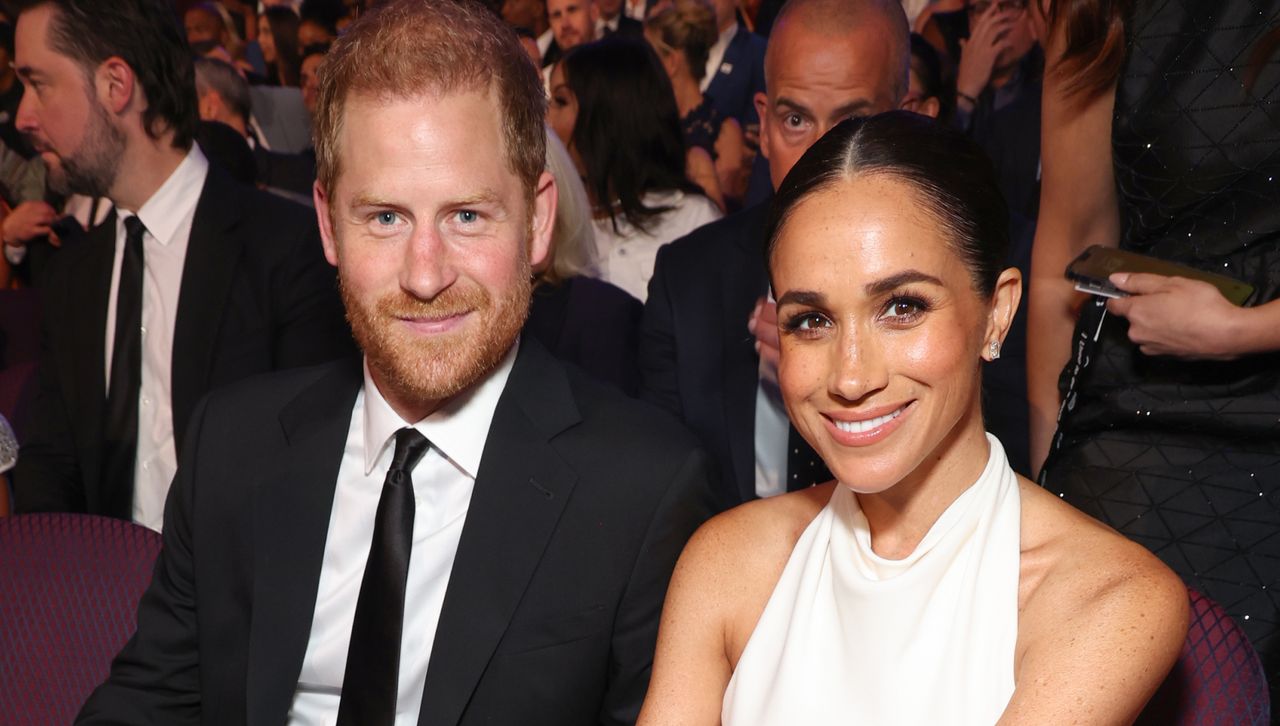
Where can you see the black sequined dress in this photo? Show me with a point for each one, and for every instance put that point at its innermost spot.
(1184, 456)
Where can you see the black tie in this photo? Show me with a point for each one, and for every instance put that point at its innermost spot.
(804, 466)
(372, 677)
(121, 433)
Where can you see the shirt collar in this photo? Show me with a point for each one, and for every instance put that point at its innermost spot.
(176, 199)
(726, 35)
(612, 25)
(458, 429)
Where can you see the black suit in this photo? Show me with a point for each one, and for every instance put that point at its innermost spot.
(697, 358)
(256, 295)
(582, 502)
(592, 324)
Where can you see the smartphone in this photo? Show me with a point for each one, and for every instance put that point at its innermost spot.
(1091, 270)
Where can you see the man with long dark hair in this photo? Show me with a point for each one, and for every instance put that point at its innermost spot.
(196, 281)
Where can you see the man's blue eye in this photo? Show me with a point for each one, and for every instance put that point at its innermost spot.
(387, 218)
(467, 216)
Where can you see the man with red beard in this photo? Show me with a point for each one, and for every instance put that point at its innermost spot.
(459, 530)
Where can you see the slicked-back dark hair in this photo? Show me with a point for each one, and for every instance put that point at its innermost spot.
(628, 128)
(146, 35)
(949, 174)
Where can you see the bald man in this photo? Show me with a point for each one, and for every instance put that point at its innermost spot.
(827, 60)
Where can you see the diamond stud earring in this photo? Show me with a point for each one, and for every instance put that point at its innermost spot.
(994, 349)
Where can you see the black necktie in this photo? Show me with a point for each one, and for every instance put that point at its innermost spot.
(121, 432)
(804, 466)
(372, 677)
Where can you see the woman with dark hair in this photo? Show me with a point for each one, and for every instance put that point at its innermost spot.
(1160, 137)
(682, 33)
(278, 39)
(612, 106)
(927, 584)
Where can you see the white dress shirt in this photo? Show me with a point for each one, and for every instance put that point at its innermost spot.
(635, 9)
(772, 435)
(715, 56)
(544, 42)
(167, 215)
(610, 26)
(627, 255)
(442, 484)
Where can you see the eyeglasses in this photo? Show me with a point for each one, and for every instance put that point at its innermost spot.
(1003, 6)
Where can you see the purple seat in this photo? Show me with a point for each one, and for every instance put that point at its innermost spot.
(69, 591)
(1217, 680)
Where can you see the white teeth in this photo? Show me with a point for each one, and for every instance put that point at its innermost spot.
(857, 427)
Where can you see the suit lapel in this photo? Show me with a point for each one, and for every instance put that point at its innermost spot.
(290, 524)
(745, 283)
(520, 492)
(213, 252)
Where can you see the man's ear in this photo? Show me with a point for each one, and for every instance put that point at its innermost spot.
(930, 106)
(210, 106)
(116, 85)
(1004, 305)
(325, 221)
(543, 223)
(762, 110)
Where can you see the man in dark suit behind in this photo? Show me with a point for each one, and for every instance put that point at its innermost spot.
(708, 346)
(195, 282)
(735, 68)
(460, 531)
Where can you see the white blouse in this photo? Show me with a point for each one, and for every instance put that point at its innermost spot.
(849, 637)
(627, 255)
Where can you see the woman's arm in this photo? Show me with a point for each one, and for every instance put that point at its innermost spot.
(1101, 657)
(701, 170)
(1100, 621)
(690, 667)
(731, 151)
(1078, 208)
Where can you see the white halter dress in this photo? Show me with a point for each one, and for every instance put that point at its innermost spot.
(849, 637)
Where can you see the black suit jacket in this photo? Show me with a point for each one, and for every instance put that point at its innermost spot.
(256, 295)
(592, 324)
(697, 358)
(582, 502)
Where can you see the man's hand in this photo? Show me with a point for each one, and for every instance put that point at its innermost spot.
(763, 324)
(988, 37)
(1178, 316)
(28, 221)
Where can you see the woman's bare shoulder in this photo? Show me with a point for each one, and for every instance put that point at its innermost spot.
(1100, 619)
(759, 533)
(733, 562)
(1078, 557)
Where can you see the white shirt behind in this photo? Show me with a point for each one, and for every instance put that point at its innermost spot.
(168, 216)
(715, 56)
(442, 484)
(627, 255)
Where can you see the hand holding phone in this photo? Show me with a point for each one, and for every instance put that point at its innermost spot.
(1091, 272)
